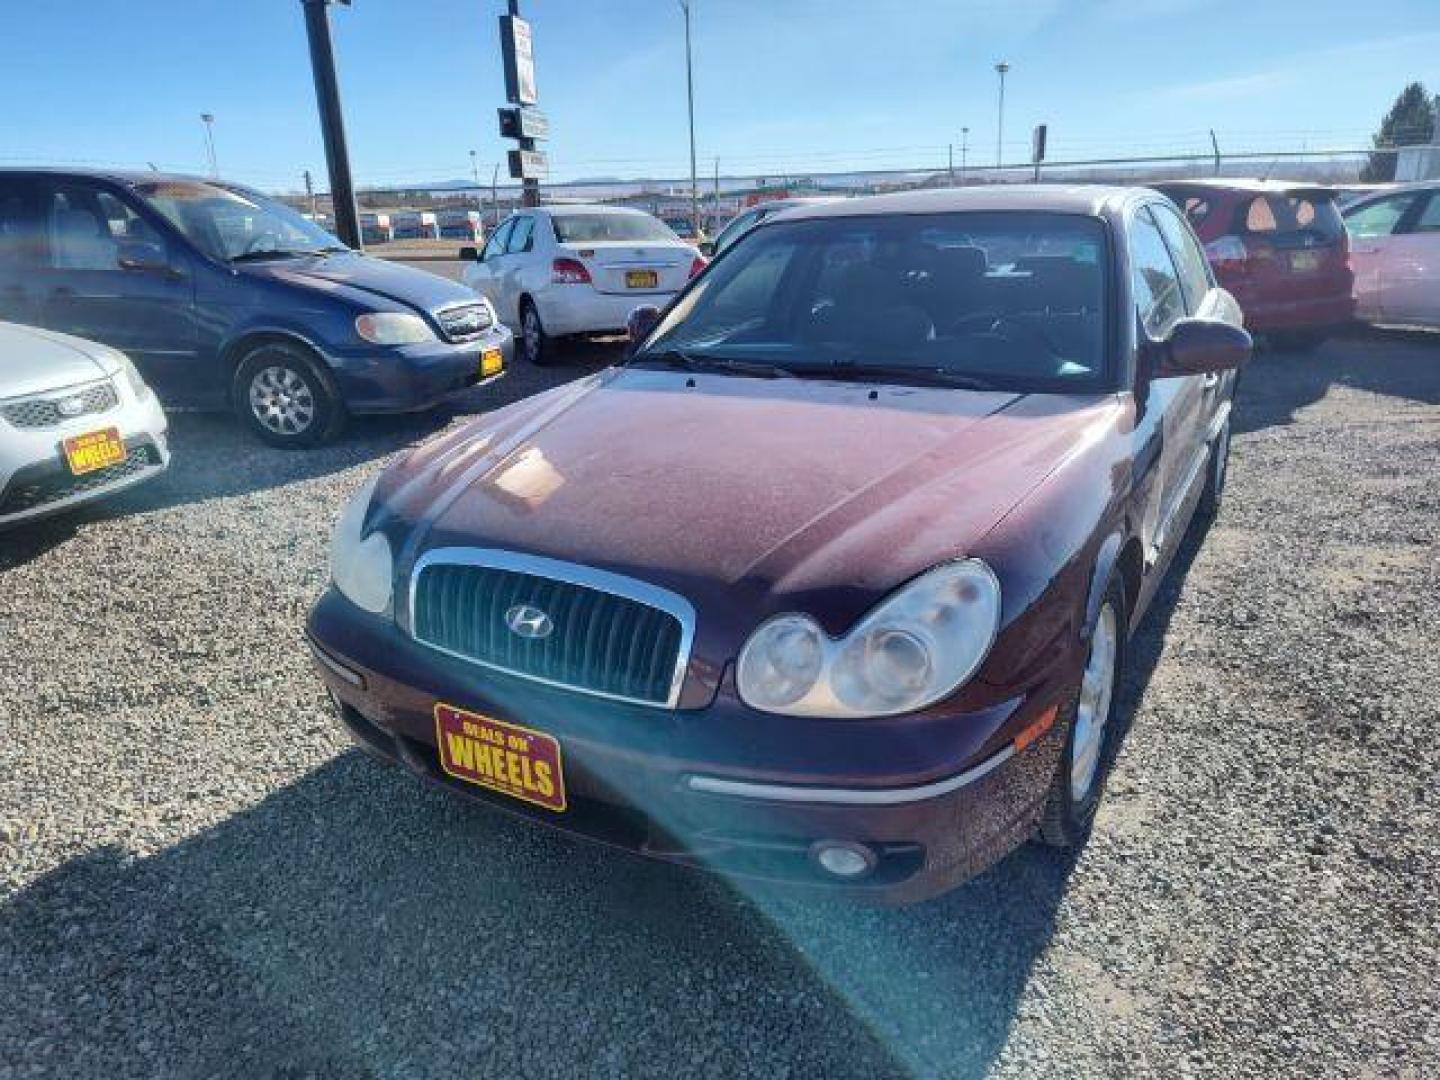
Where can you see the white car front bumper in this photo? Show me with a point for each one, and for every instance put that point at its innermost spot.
(35, 480)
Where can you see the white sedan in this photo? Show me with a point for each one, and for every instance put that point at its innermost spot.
(76, 422)
(554, 271)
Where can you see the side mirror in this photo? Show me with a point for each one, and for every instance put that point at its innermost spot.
(707, 248)
(641, 321)
(469, 254)
(1200, 347)
(141, 256)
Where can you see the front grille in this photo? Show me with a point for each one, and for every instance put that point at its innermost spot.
(42, 412)
(464, 322)
(54, 485)
(601, 642)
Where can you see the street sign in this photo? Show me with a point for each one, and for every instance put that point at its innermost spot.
(519, 59)
(1037, 146)
(529, 165)
(521, 122)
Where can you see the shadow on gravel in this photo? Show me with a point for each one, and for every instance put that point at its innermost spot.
(1276, 385)
(313, 935)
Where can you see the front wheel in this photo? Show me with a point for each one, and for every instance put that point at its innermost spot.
(285, 398)
(1091, 741)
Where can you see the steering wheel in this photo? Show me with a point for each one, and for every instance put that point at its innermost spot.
(265, 241)
(990, 323)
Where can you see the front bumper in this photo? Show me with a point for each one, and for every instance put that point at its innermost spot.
(718, 788)
(35, 481)
(409, 378)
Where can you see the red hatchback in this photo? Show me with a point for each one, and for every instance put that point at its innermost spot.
(1280, 249)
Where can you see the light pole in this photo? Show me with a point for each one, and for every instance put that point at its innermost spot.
(1000, 69)
(964, 151)
(475, 172)
(208, 119)
(332, 123)
(690, 99)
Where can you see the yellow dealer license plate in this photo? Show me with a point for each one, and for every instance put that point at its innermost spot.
(641, 279)
(94, 450)
(492, 362)
(513, 760)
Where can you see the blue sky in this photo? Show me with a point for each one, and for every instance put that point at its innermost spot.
(781, 85)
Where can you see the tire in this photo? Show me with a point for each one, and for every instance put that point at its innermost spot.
(286, 397)
(536, 346)
(1084, 765)
(1216, 470)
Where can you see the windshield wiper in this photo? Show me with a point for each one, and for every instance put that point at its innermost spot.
(695, 362)
(273, 253)
(930, 376)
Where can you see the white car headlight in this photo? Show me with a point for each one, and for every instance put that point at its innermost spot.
(916, 647)
(393, 328)
(361, 566)
(132, 376)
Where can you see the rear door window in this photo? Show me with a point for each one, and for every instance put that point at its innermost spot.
(498, 239)
(520, 235)
(1429, 219)
(22, 237)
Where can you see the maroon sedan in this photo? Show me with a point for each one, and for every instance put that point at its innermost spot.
(828, 584)
(1281, 249)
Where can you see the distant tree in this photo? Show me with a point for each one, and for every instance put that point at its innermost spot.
(1410, 121)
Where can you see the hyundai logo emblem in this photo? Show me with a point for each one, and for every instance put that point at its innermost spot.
(527, 621)
(70, 406)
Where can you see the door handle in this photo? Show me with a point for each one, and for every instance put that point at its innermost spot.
(62, 291)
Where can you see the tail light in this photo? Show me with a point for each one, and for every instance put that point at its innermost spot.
(697, 264)
(1227, 253)
(569, 272)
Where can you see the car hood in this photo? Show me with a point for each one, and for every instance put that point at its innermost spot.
(747, 496)
(33, 361)
(405, 285)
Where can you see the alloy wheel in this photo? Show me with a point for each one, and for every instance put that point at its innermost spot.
(1092, 712)
(282, 400)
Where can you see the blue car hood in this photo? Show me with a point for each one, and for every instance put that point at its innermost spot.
(391, 281)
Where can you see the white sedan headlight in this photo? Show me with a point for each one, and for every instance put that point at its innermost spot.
(393, 328)
(917, 646)
(132, 376)
(361, 566)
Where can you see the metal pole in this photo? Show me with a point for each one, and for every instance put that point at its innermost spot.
(952, 163)
(1215, 144)
(690, 99)
(1001, 68)
(529, 187)
(495, 192)
(715, 204)
(332, 122)
(964, 151)
(209, 121)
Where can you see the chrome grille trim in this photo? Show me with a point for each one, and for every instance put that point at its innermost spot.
(641, 592)
(43, 410)
(464, 322)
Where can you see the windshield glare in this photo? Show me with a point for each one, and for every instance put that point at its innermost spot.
(597, 228)
(228, 223)
(1010, 298)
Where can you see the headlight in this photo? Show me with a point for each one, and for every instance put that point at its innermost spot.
(918, 646)
(360, 565)
(132, 376)
(393, 328)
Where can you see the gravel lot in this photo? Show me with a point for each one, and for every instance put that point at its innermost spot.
(199, 877)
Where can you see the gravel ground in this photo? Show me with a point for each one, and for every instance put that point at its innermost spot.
(199, 877)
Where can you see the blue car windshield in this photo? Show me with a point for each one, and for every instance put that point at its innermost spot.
(1014, 299)
(231, 223)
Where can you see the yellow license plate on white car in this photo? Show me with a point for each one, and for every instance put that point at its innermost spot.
(641, 279)
(94, 450)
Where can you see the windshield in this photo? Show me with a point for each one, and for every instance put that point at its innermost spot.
(230, 223)
(597, 228)
(1013, 299)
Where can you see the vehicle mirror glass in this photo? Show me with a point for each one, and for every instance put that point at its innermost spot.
(1201, 347)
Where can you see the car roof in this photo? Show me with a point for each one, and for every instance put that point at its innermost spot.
(1389, 191)
(1247, 186)
(1090, 199)
(562, 209)
(123, 176)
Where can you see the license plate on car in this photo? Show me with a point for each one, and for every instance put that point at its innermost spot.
(94, 450)
(641, 279)
(513, 760)
(1304, 260)
(492, 362)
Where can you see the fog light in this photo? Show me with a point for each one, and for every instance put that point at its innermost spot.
(843, 859)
